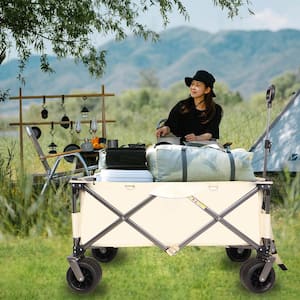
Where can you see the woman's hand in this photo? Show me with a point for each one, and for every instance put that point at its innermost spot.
(203, 137)
(163, 131)
(190, 137)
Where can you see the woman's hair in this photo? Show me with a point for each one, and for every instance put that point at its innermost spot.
(187, 105)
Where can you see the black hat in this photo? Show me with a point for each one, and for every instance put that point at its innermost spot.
(204, 77)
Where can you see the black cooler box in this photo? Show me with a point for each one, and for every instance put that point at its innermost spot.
(127, 158)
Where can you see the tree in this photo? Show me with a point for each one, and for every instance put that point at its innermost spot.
(148, 79)
(67, 26)
(287, 84)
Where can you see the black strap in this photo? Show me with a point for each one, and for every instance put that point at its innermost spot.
(232, 165)
(184, 164)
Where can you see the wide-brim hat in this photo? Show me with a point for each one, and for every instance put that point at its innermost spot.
(203, 76)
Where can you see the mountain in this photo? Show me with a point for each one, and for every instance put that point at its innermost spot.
(246, 61)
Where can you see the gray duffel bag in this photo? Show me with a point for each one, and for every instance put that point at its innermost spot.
(207, 163)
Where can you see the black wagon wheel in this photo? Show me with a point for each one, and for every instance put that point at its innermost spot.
(104, 254)
(238, 254)
(249, 275)
(92, 274)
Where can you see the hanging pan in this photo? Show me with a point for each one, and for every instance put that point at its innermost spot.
(37, 131)
(70, 147)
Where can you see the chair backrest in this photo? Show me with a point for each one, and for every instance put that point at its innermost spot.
(38, 149)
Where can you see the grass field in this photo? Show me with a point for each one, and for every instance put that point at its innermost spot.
(35, 268)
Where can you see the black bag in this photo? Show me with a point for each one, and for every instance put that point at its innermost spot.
(126, 158)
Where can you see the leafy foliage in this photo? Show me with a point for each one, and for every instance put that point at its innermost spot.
(67, 26)
(233, 6)
(4, 95)
(287, 84)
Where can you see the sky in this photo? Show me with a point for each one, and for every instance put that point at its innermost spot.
(269, 14)
(204, 15)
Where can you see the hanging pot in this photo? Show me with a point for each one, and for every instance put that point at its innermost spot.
(44, 112)
(37, 131)
(65, 118)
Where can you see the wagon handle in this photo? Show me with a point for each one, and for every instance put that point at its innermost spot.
(270, 95)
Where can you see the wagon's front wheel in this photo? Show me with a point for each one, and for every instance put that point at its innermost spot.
(92, 274)
(250, 273)
(105, 254)
(238, 254)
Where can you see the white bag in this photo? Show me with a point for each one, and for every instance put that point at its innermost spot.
(207, 163)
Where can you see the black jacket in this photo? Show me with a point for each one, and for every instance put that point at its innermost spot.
(182, 124)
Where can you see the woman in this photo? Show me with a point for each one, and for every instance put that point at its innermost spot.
(196, 118)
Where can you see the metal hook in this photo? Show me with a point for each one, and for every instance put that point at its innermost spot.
(52, 128)
(71, 128)
(44, 102)
(90, 130)
(63, 102)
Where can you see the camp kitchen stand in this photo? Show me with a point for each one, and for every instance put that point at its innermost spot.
(172, 215)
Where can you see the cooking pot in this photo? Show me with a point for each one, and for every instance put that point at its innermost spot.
(87, 146)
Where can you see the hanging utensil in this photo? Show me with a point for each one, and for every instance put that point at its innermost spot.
(65, 119)
(52, 146)
(44, 112)
(94, 126)
(78, 126)
(84, 111)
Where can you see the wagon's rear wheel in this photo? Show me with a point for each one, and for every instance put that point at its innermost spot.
(249, 275)
(92, 274)
(104, 254)
(238, 254)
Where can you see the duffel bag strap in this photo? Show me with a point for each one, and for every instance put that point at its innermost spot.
(184, 164)
(232, 165)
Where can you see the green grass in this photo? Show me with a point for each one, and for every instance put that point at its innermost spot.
(35, 268)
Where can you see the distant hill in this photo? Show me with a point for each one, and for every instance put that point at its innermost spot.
(245, 61)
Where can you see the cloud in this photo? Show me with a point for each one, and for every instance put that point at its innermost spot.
(268, 19)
